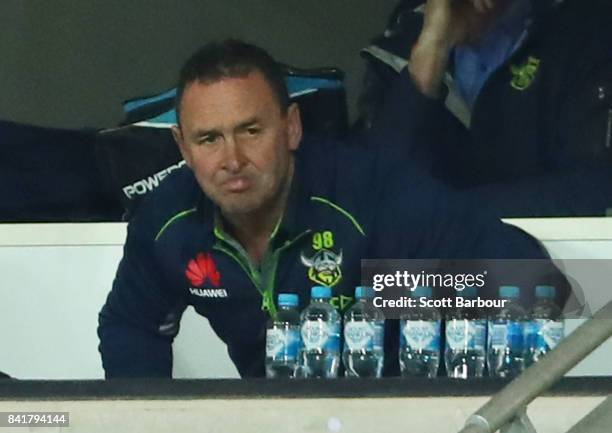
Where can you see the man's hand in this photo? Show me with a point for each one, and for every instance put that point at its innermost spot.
(447, 23)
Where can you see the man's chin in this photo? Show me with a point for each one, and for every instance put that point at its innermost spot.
(239, 206)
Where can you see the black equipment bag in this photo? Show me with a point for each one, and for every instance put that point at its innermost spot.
(52, 175)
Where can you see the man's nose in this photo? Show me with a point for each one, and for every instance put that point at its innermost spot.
(234, 158)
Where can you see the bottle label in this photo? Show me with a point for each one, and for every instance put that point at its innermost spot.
(466, 334)
(283, 342)
(544, 334)
(506, 334)
(320, 335)
(362, 335)
(421, 335)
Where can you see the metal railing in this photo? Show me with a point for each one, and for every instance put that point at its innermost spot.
(509, 404)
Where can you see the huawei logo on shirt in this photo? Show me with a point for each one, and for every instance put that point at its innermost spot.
(202, 270)
(208, 293)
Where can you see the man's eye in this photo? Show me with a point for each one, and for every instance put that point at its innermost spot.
(253, 131)
(208, 139)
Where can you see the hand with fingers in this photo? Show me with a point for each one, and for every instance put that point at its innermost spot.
(446, 24)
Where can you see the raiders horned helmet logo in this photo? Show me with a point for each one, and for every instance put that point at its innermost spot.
(324, 267)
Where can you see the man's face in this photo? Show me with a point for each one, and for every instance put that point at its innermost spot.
(238, 142)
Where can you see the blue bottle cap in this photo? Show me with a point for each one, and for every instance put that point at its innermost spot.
(364, 292)
(545, 292)
(468, 292)
(288, 300)
(320, 292)
(509, 292)
(421, 291)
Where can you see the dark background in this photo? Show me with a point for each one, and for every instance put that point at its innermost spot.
(70, 63)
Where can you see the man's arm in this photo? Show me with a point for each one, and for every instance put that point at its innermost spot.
(429, 56)
(418, 218)
(583, 191)
(446, 24)
(141, 316)
(422, 219)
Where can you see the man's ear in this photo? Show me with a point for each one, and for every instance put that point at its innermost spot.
(178, 137)
(294, 126)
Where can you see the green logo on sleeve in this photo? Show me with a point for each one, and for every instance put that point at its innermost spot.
(523, 76)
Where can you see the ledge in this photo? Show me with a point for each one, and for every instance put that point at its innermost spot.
(155, 389)
(101, 234)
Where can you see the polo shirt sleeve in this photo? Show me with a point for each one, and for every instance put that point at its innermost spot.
(140, 318)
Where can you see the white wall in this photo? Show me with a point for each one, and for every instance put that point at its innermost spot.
(55, 278)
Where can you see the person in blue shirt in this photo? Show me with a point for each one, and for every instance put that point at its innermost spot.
(512, 99)
(258, 210)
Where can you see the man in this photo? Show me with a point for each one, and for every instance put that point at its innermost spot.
(259, 211)
(511, 98)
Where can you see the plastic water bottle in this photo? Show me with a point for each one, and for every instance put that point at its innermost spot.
(320, 329)
(364, 331)
(419, 353)
(466, 339)
(545, 329)
(506, 352)
(283, 338)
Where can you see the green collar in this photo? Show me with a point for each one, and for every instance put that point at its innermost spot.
(285, 234)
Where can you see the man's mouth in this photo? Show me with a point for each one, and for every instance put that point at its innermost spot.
(237, 184)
